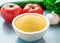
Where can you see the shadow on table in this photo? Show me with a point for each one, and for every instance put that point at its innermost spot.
(7, 27)
(38, 41)
(55, 26)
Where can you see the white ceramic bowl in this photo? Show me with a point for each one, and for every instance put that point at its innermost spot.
(30, 36)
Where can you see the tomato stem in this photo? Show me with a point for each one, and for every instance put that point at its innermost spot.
(33, 7)
(10, 6)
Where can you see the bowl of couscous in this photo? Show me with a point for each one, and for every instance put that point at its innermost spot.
(30, 26)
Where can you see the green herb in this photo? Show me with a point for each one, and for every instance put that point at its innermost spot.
(52, 5)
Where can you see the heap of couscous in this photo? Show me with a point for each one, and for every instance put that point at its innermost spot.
(30, 23)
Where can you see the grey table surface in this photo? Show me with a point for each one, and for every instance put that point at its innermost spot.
(7, 34)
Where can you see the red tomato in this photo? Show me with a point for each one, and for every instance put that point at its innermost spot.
(9, 11)
(0, 11)
(33, 8)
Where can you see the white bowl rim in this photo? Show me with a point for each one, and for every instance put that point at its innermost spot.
(14, 27)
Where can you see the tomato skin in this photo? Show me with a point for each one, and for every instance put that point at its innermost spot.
(9, 13)
(33, 8)
(0, 11)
